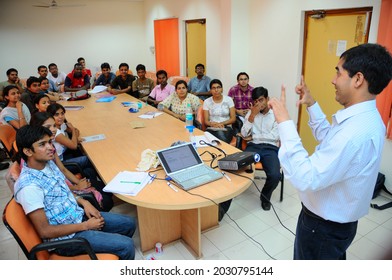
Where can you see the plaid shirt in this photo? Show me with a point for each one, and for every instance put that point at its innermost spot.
(59, 203)
(242, 99)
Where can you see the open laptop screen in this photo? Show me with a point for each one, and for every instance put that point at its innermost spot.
(179, 157)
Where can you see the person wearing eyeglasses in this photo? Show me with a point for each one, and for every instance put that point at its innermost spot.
(241, 94)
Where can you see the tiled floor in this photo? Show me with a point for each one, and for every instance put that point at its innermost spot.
(247, 232)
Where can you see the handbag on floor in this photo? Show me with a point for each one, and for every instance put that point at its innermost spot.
(380, 185)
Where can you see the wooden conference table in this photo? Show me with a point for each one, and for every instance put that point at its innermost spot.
(163, 214)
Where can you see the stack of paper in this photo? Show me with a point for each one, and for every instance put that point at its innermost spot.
(127, 182)
(150, 115)
(97, 89)
(208, 138)
(94, 138)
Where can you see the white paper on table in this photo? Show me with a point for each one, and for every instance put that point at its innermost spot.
(150, 115)
(128, 182)
(94, 138)
(98, 89)
(208, 138)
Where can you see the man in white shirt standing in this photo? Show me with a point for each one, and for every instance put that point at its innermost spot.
(336, 182)
(260, 124)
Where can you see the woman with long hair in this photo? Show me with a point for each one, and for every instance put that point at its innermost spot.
(15, 113)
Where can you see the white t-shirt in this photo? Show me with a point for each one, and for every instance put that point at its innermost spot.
(219, 112)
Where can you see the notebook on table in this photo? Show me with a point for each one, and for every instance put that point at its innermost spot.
(184, 166)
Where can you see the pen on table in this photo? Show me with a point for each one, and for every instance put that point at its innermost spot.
(130, 182)
(226, 176)
(152, 178)
(172, 187)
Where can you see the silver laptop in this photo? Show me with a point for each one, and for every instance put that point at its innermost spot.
(184, 166)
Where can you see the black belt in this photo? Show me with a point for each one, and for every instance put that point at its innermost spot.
(311, 214)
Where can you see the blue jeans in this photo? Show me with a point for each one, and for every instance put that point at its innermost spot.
(271, 166)
(114, 238)
(319, 239)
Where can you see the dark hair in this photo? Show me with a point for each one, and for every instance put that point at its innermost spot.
(215, 81)
(199, 65)
(9, 71)
(105, 65)
(161, 72)
(41, 66)
(53, 108)
(179, 82)
(32, 80)
(27, 135)
(240, 74)
(52, 64)
(42, 78)
(38, 118)
(257, 92)
(39, 97)
(78, 65)
(123, 64)
(6, 90)
(140, 67)
(373, 61)
(80, 59)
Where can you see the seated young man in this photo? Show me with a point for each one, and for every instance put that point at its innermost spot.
(260, 123)
(55, 212)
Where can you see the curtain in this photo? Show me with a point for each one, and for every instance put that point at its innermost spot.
(384, 99)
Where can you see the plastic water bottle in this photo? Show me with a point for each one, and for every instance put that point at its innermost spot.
(188, 116)
(192, 137)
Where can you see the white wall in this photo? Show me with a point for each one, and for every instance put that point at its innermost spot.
(98, 32)
(260, 37)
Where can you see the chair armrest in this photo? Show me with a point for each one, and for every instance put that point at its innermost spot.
(74, 168)
(242, 141)
(50, 245)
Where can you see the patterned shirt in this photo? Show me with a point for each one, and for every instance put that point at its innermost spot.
(242, 99)
(143, 87)
(47, 189)
(179, 107)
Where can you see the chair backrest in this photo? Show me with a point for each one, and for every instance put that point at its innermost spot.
(199, 116)
(22, 229)
(174, 79)
(7, 137)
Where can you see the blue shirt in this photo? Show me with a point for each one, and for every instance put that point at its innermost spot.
(337, 181)
(47, 189)
(103, 81)
(202, 85)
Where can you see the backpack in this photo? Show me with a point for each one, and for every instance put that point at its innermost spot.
(380, 185)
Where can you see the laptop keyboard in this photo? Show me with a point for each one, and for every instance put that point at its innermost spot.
(189, 175)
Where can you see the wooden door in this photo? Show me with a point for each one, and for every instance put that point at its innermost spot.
(167, 47)
(327, 35)
(195, 45)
